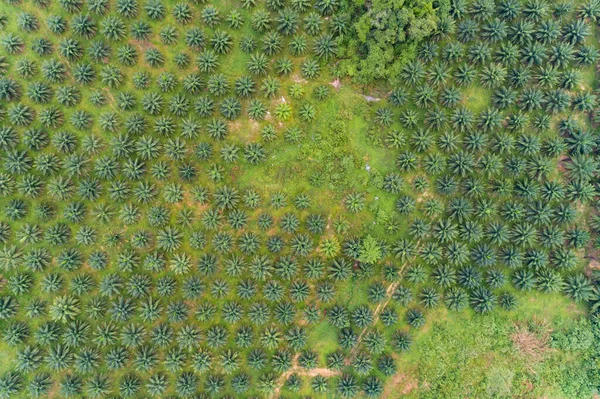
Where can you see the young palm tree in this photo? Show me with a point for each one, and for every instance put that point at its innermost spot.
(27, 22)
(347, 385)
(38, 92)
(578, 287)
(325, 47)
(221, 42)
(183, 13)
(12, 44)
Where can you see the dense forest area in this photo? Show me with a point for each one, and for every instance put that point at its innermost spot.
(299, 199)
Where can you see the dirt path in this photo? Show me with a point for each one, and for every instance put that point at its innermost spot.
(48, 34)
(389, 292)
(378, 309)
(325, 372)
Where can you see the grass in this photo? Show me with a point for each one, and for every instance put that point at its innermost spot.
(340, 128)
(471, 355)
(8, 352)
(476, 98)
(323, 339)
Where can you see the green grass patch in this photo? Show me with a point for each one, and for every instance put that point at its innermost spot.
(471, 355)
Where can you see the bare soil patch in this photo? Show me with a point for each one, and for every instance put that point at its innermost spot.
(400, 383)
(234, 126)
(297, 79)
(371, 99)
(562, 163)
(142, 45)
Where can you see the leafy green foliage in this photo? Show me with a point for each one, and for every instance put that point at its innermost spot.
(380, 37)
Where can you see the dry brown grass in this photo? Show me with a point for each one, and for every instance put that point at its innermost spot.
(532, 339)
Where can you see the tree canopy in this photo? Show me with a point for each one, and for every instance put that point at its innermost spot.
(385, 34)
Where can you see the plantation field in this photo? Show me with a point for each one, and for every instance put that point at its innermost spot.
(299, 198)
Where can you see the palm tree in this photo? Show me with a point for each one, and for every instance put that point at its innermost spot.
(113, 28)
(576, 31)
(355, 202)
(456, 298)
(258, 63)
(362, 363)
(231, 108)
(287, 21)
(244, 86)
(261, 21)
(42, 46)
(141, 31)
(531, 99)
(27, 22)
(310, 69)
(240, 382)
(424, 96)
(578, 287)
(157, 384)
(584, 102)
(325, 47)
(15, 333)
(20, 114)
(169, 35)
(111, 76)
(283, 66)
(59, 357)
(154, 58)
(71, 385)
(182, 13)
(218, 85)
(68, 96)
(98, 50)
(429, 297)
(11, 90)
(12, 44)
(557, 101)
(39, 385)
(36, 308)
(257, 110)
(84, 73)
(221, 42)
(155, 9)
(210, 16)
(563, 259)
(347, 385)
(129, 385)
(482, 300)
(524, 279)
(248, 44)
(586, 55)
(70, 49)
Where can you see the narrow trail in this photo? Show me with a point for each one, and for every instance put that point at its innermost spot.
(58, 54)
(325, 372)
(389, 292)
